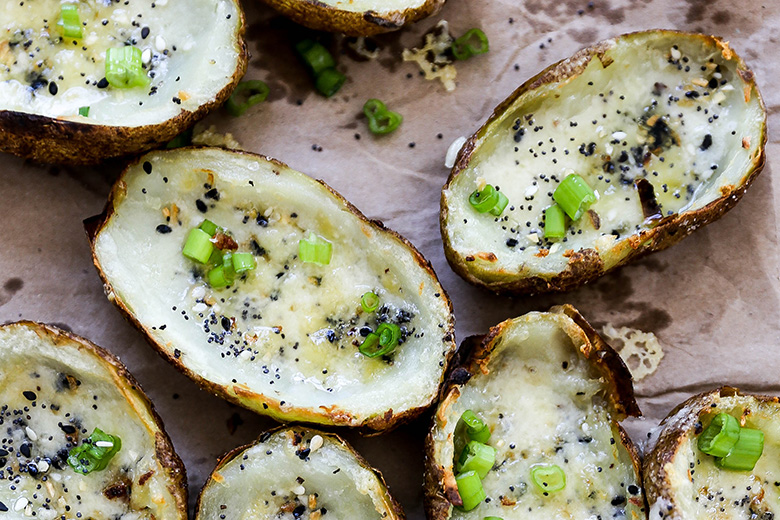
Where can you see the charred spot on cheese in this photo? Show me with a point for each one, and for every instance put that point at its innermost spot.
(551, 393)
(682, 482)
(296, 473)
(57, 389)
(655, 124)
(283, 338)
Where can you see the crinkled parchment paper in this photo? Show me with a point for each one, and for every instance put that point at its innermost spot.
(713, 300)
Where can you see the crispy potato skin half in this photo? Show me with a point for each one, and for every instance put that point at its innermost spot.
(299, 431)
(440, 488)
(170, 461)
(676, 427)
(587, 265)
(241, 395)
(52, 140)
(322, 17)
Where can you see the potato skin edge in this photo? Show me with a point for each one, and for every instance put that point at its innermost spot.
(586, 265)
(259, 403)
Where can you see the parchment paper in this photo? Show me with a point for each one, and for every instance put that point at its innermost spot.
(712, 300)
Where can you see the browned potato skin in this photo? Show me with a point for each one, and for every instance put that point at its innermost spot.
(585, 266)
(322, 17)
(239, 394)
(440, 488)
(51, 140)
(656, 482)
(297, 430)
(169, 460)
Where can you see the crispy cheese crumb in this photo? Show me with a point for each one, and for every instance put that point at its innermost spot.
(432, 57)
(210, 137)
(641, 351)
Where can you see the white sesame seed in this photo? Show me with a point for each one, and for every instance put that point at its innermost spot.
(104, 444)
(30, 433)
(452, 151)
(20, 503)
(316, 443)
(555, 247)
(43, 466)
(300, 490)
(146, 56)
(531, 190)
(199, 292)
(159, 43)
(619, 135)
(676, 54)
(199, 307)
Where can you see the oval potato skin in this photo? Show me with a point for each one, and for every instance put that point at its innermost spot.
(538, 274)
(323, 17)
(683, 483)
(430, 353)
(317, 498)
(67, 140)
(475, 357)
(81, 369)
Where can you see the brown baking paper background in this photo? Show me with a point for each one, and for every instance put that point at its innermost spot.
(713, 300)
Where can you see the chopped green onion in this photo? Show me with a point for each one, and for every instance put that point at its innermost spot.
(243, 262)
(476, 457)
(84, 111)
(485, 199)
(745, 453)
(476, 429)
(500, 204)
(216, 257)
(315, 250)
(548, 477)
(492, 518)
(463, 49)
(95, 452)
(198, 246)
(369, 301)
(124, 67)
(370, 346)
(470, 490)
(219, 278)
(329, 81)
(70, 21)
(183, 139)
(380, 119)
(209, 227)
(315, 56)
(554, 222)
(720, 436)
(227, 266)
(574, 196)
(382, 342)
(246, 94)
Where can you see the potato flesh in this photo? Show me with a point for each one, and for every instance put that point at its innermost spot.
(702, 490)
(541, 413)
(191, 61)
(29, 364)
(294, 327)
(276, 477)
(377, 6)
(611, 133)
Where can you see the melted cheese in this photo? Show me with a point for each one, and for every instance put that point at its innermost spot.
(188, 62)
(289, 330)
(287, 477)
(52, 396)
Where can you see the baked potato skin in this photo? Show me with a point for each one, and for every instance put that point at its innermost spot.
(657, 483)
(440, 488)
(240, 394)
(232, 454)
(322, 17)
(586, 265)
(169, 460)
(52, 140)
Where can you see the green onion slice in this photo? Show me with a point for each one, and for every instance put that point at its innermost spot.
(198, 246)
(84, 111)
(382, 342)
(315, 250)
(315, 56)
(574, 196)
(243, 262)
(95, 452)
(476, 457)
(470, 44)
(720, 436)
(554, 222)
(470, 490)
(124, 67)
(219, 278)
(549, 478)
(369, 301)
(71, 21)
(329, 81)
(487, 199)
(500, 204)
(476, 429)
(209, 227)
(246, 95)
(492, 518)
(380, 119)
(745, 453)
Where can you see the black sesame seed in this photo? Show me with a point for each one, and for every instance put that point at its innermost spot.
(147, 167)
(201, 206)
(103, 83)
(25, 449)
(144, 32)
(163, 229)
(29, 395)
(53, 89)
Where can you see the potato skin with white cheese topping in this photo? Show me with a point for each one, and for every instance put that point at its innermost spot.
(551, 391)
(682, 483)
(191, 72)
(284, 339)
(56, 389)
(300, 472)
(668, 127)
